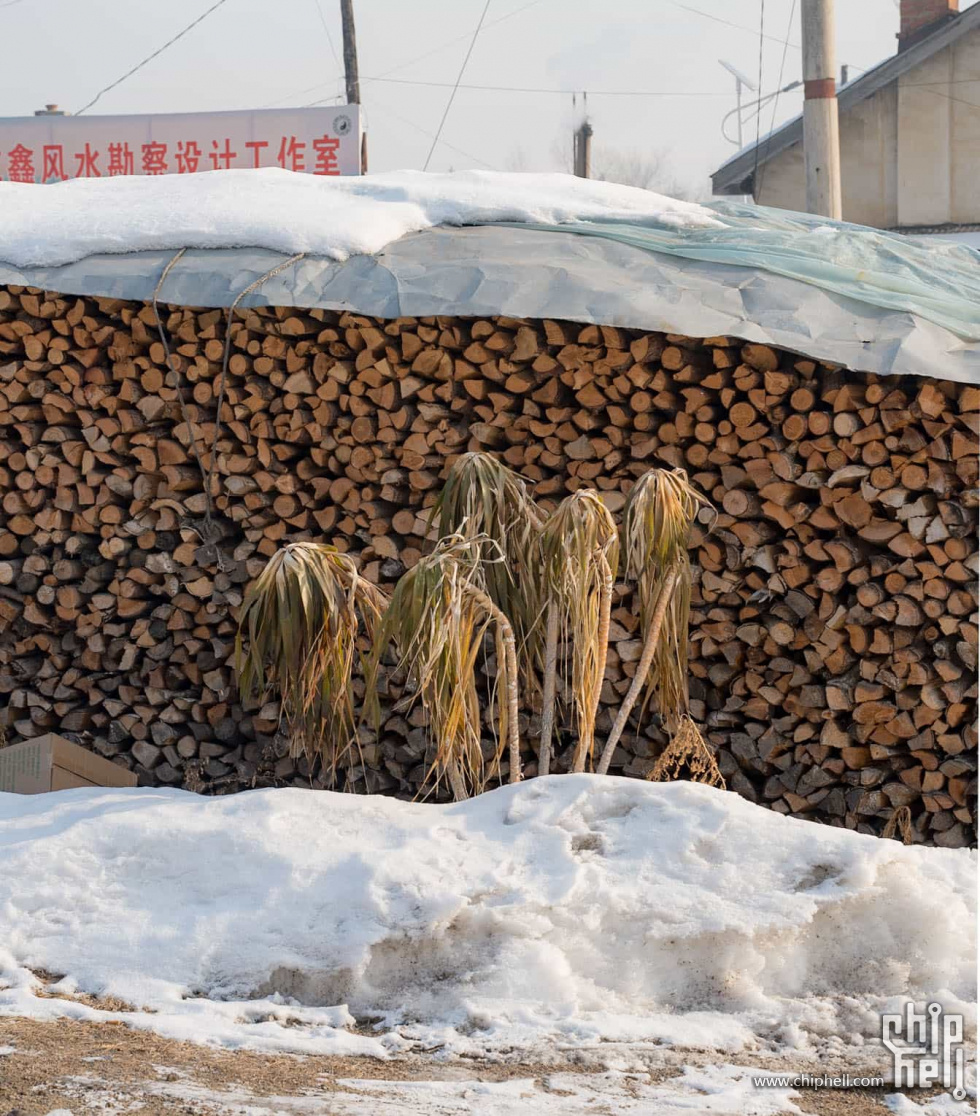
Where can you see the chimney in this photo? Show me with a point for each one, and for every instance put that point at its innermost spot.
(921, 17)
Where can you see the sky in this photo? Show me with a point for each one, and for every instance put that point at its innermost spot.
(656, 92)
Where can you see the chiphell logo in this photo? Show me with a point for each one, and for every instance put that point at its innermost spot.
(926, 1048)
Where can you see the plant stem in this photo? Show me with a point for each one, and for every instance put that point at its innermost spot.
(506, 633)
(457, 784)
(584, 746)
(513, 729)
(548, 691)
(642, 667)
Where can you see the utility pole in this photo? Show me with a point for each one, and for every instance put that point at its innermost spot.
(350, 68)
(821, 136)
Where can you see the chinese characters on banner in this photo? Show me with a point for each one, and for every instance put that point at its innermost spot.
(56, 148)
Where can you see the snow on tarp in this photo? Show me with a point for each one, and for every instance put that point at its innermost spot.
(577, 908)
(291, 212)
(339, 217)
(645, 262)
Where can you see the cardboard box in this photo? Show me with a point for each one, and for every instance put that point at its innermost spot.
(52, 763)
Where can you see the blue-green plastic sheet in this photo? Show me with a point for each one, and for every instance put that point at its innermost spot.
(933, 279)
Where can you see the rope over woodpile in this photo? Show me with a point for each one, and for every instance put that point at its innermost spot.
(833, 623)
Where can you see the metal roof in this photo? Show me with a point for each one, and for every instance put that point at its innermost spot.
(735, 176)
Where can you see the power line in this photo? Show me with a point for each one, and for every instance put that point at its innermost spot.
(459, 78)
(728, 22)
(150, 57)
(300, 93)
(325, 100)
(758, 115)
(540, 89)
(414, 61)
(384, 76)
(772, 119)
(319, 84)
(375, 104)
(957, 100)
(326, 31)
(459, 38)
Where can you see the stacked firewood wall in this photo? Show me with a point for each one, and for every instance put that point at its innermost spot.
(834, 619)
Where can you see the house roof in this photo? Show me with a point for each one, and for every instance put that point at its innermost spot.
(735, 176)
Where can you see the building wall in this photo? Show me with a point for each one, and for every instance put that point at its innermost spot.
(910, 154)
(965, 126)
(782, 181)
(868, 138)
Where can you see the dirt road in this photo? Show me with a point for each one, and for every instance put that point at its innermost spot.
(79, 1068)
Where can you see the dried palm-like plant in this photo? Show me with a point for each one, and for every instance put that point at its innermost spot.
(657, 520)
(302, 615)
(579, 556)
(437, 618)
(485, 501)
(687, 749)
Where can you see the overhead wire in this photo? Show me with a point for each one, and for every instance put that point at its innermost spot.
(300, 93)
(727, 22)
(319, 84)
(758, 115)
(150, 57)
(385, 75)
(757, 185)
(418, 57)
(375, 104)
(326, 31)
(459, 78)
(542, 89)
(956, 100)
(460, 38)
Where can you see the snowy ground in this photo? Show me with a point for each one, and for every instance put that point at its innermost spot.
(79, 1068)
(293, 212)
(568, 917)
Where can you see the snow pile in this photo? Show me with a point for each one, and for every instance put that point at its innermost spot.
(580, 908)
(42, 225)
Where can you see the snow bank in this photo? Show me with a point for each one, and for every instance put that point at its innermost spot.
(580, 908)
(290, 212)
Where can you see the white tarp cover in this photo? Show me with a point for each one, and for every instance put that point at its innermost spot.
(523, 272)
(483, 243)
